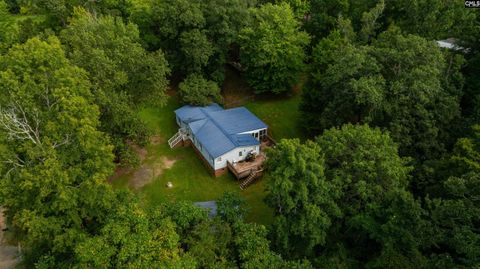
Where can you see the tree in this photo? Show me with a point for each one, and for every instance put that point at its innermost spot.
(377, 210)
(365, 162)
(8, 28)
(272, 49)
(352, 183)
(254, 251)
(209, 243)
(302, 199)
(133, 238)
(123, 75)
(400, 83)
(55, 160)
(324, 16)
(299, 7)
(195, 90)
(58, 11)
(231, 207)
(453, 236)
(466, 153)
(345, 85)
(431, 19)
(195, 35)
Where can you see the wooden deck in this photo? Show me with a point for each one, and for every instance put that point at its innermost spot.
(243, 169)
(250, 171)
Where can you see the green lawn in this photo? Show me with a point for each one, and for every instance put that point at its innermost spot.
(281, 114)
(191, 179)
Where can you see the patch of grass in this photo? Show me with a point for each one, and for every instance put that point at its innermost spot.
(281, 114)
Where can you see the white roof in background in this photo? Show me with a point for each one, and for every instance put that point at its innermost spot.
(450, 43)
(445, 44)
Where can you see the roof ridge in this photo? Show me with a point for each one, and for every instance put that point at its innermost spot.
(207, 113)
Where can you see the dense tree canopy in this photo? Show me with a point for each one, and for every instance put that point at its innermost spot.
(133, 238)
(196, 90)
(272, 49)
(352, 184)
(301, 196)
(56, 160)
(122, 73)
(195, 35)
(400, 83)
(387, 175)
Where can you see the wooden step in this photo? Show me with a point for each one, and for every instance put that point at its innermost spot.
(253, 175)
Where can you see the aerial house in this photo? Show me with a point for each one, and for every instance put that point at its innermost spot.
(225, 139)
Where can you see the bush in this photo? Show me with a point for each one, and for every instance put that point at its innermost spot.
(195, 90)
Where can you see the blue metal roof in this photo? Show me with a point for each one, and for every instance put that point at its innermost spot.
(215, 142)
(218, 130)
(237, 120)
(193, 113)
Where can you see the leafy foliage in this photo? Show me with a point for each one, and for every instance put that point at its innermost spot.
(9, 30)
(231, 207)
(400, 83)
(196, 35)
(133, 238)
(352, 184)
(466, 153)
(301, 196)
(196, 90)
(122, 73)
(453, 237)
(272, 49)
(56, 160)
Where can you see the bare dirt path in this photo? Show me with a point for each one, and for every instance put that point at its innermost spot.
(8, 254)
(150, 167)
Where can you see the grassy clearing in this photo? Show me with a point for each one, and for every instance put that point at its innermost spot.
(191, 179)
(281, 114)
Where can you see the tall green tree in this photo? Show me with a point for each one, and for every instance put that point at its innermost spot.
(302, 198)
(55, 161)
(195, 35)
(352, 183)
(133, 237)
(466, 153)
(431, 19)
(123, 75)
(195, 90)
(9, 30)
(453, 238)
(272, 49)
(58, 11)
(400, 83)
(377, 210)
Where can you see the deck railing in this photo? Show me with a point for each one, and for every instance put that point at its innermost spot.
(176, 138)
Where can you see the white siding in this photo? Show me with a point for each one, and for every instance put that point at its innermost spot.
(233, 155)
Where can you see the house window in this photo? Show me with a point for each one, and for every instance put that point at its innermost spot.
(263, 133)
(240, 153)
(219, 159)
